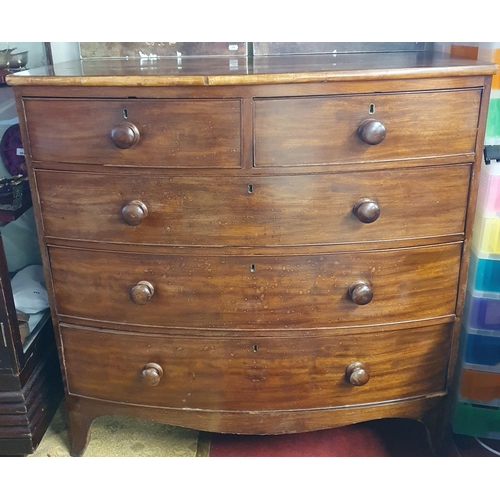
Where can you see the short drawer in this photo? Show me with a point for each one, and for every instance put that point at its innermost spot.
(255, 374)
(256, 292)
(254, 210)
(365, 128)
(480, 387)
(482, 351)
(476, 420)
(482, 311)
(486, 235)
(158, 132)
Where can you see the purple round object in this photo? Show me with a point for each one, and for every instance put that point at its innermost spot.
(10, 147)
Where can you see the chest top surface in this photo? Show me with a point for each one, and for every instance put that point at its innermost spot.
(216, 71)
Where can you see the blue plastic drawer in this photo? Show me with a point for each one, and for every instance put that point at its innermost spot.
(482, 311)
(482, 350)
(484, 274)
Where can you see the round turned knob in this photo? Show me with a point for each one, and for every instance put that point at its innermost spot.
(134, 212)
(372, 132)
(356, 373)
(142, 292)
(151, 374)
(366, 210)
(361, 293)
(125, 135)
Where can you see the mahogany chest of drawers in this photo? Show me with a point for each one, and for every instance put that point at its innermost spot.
(276, 249)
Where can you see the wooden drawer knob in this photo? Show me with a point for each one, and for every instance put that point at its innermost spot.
(142, 292)
(134, 212)
(356, 373)
(361, 293)
(125, 135)
(372, 132)
(366, 210)
(151, 374)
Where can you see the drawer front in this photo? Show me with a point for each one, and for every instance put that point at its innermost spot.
(234, 292)
(480, 386)
(254, 374)
(324, 130)
(254, 211)
(184, 133)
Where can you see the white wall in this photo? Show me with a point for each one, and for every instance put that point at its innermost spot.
(65, 51)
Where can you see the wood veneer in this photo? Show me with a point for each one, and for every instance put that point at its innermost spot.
(318, 280)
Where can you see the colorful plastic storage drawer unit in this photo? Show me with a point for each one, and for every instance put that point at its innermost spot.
(484, 274)
(488, 197)
(482, 351)
(482, 311)
(479, 386)
(476, 420)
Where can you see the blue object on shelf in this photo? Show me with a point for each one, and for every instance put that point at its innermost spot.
(483, 350)
(482, 311)
(484, 274)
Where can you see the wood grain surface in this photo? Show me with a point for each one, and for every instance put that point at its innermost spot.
(233, 292)
(319, 130)
(255, 374)
(218, 71)
(172, 132)
(254, 211)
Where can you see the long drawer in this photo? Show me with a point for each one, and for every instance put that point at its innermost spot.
(324, 130)
(255, 374)
(248, 292)
(252, 210)
(184, 133)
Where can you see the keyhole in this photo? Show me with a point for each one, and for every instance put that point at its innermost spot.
(250, 188)
(125, 114)
(252, 268)
(255, 348)
(372, 109)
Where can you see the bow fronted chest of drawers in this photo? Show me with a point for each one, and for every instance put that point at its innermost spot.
(276, 246)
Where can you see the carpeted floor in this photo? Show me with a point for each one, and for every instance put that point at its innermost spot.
(114, 436)
(382, 438)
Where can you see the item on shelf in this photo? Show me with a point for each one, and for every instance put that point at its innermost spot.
(19, 60)
(15, 197)
(24, 327)
(28, 290)
(12, 151)
(11, 190)
(12, 63)
(5, 57)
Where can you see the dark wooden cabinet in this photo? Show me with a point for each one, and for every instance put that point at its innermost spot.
(268, 247)
(30, 378)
